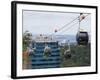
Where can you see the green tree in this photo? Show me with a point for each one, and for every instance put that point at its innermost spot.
(27, 39)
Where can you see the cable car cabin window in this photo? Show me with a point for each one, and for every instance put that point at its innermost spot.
(83, 34)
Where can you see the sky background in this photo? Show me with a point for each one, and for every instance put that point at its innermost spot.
(41, 22)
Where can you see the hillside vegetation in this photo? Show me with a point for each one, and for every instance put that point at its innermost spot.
(80, 56)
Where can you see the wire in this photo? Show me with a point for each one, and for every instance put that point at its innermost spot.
(71, 22)
(68, 28)
(67, 24)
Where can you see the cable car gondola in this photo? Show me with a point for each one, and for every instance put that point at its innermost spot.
(47, 51)
(67, 53)
(82, 38)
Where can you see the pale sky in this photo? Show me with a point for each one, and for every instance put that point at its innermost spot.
(38, 22)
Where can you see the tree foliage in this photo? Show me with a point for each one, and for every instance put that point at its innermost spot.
(27, 39)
